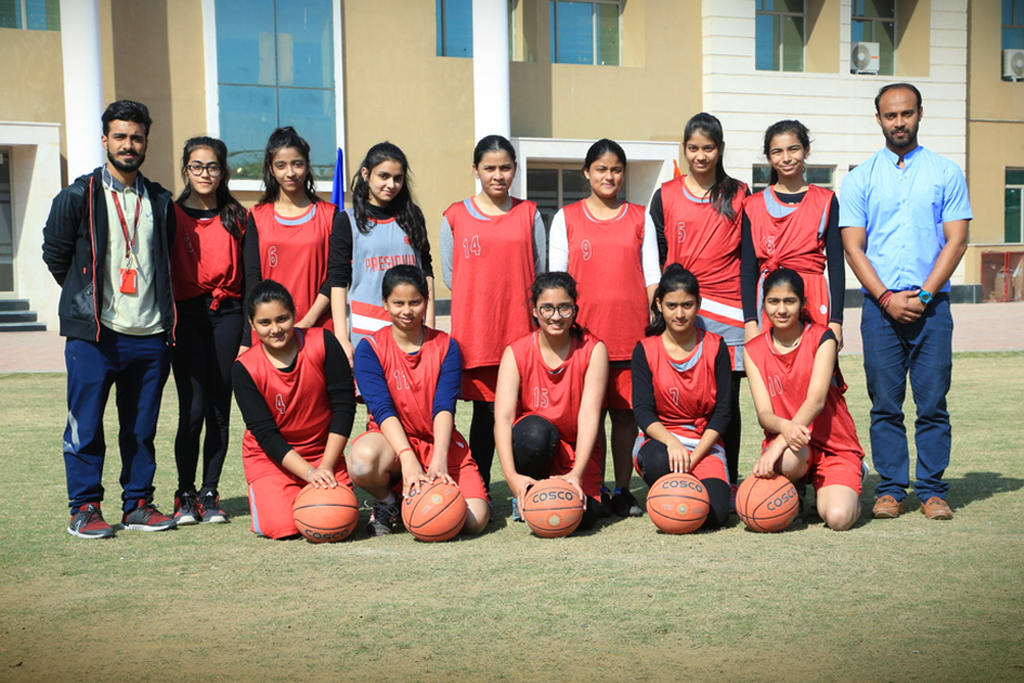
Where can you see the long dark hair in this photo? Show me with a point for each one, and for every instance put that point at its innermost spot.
(725, 188)
(280, 139)
(404, 274)
(408, 216)
(232, 214)
(674, 278)
(802, 133)
(557, 280)
(264, 292)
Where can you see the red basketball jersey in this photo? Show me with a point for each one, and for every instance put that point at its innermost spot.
(604, 259)
(412, 378)
(205, 259)
(297, 399)
(492, 271)
(703, 241)
(787, 376)
(684, 391)
(296, 255)
(553, 393)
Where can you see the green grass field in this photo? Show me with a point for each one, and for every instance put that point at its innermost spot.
(890, 600)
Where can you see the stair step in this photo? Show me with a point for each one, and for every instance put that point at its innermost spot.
(18, 316)
(13, 305)
(22, 327)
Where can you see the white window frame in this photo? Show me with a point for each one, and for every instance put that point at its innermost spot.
(781, 44)
(1013, 186)
(323, 185)
(593, 31)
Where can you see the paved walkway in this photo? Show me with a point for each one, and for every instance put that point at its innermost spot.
(978, 327)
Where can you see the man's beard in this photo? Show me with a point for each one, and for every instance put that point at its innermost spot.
(126, 166)
(905, 142)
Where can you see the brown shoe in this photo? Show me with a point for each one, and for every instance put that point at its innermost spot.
(887, 507)
(936, 508)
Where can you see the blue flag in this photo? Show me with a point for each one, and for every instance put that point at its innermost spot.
(338, 191)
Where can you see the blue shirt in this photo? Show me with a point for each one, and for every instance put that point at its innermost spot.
(904, 211)
(374, 389)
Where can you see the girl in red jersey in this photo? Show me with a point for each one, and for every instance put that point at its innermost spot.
(681, 393)
(295, 392)
(698, 218)
(611, 250)
(384, 228)
(547, 406)
(492, 248)
(798, 393)
(206, 268)
(410, 375)
(795, 225)
(289, 232)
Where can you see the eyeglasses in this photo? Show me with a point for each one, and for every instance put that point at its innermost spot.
(196, 169)
(547, 311)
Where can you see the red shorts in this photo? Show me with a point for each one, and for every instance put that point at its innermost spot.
(461, 465)
(832, 469)
(563, 462)
(478, 384)
(620, 388)
(272, 497)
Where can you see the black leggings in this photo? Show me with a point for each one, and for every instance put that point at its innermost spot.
(481, 439)
(205, 348)
(534, 442)
(653, 462)
(731, 438)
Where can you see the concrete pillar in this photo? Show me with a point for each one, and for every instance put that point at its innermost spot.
(491, 114)
(83, 84)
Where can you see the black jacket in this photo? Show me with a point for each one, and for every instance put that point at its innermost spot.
(75, 244)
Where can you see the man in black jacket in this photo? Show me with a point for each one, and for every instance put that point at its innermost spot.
(107, 242)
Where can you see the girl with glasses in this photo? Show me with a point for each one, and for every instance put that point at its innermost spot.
(610, 248)
(492, 247)
(547, 404)
(206, 265)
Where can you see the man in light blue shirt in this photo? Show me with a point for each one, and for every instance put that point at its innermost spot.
(904, 214)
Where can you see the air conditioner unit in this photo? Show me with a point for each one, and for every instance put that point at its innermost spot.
(864, 58)
(1013, 64)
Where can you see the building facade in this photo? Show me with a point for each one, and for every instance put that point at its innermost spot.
(350, 73)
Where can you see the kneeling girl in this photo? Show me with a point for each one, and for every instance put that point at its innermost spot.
(682, 389)
(295, 392)
(798, 393)
(409, 375)
(547, 406)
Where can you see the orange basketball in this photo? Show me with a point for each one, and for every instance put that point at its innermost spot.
(553, 508)
(435, 513)
(678, 503)
(767, 505)
(326, 515)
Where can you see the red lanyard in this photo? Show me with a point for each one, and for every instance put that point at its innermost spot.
(129, 245)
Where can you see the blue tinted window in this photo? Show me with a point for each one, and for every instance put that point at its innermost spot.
(275, 64)
(765, 43)
(574, 33)
(38, 15)
(454, 28)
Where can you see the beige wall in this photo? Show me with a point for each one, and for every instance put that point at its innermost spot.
(32, 83)
(821, 53)
(995, 133)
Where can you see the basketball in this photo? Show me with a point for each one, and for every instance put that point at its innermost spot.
(435, 513)
(767, 505)
(553, 508)
(326, 515)
(678, 503)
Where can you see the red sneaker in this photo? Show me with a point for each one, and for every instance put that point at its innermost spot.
(87, 522)
(145, 517)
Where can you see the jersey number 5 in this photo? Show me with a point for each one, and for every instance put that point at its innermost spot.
(472, 245)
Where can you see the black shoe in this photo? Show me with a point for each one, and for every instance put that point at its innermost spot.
(382, 519)
(605, 508)
(87, 522)
(186, 509)
(210, 506)
(625, 505)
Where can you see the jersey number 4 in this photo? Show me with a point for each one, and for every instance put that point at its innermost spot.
(471, 246)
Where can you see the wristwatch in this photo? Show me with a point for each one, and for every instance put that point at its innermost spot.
(925, 296)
